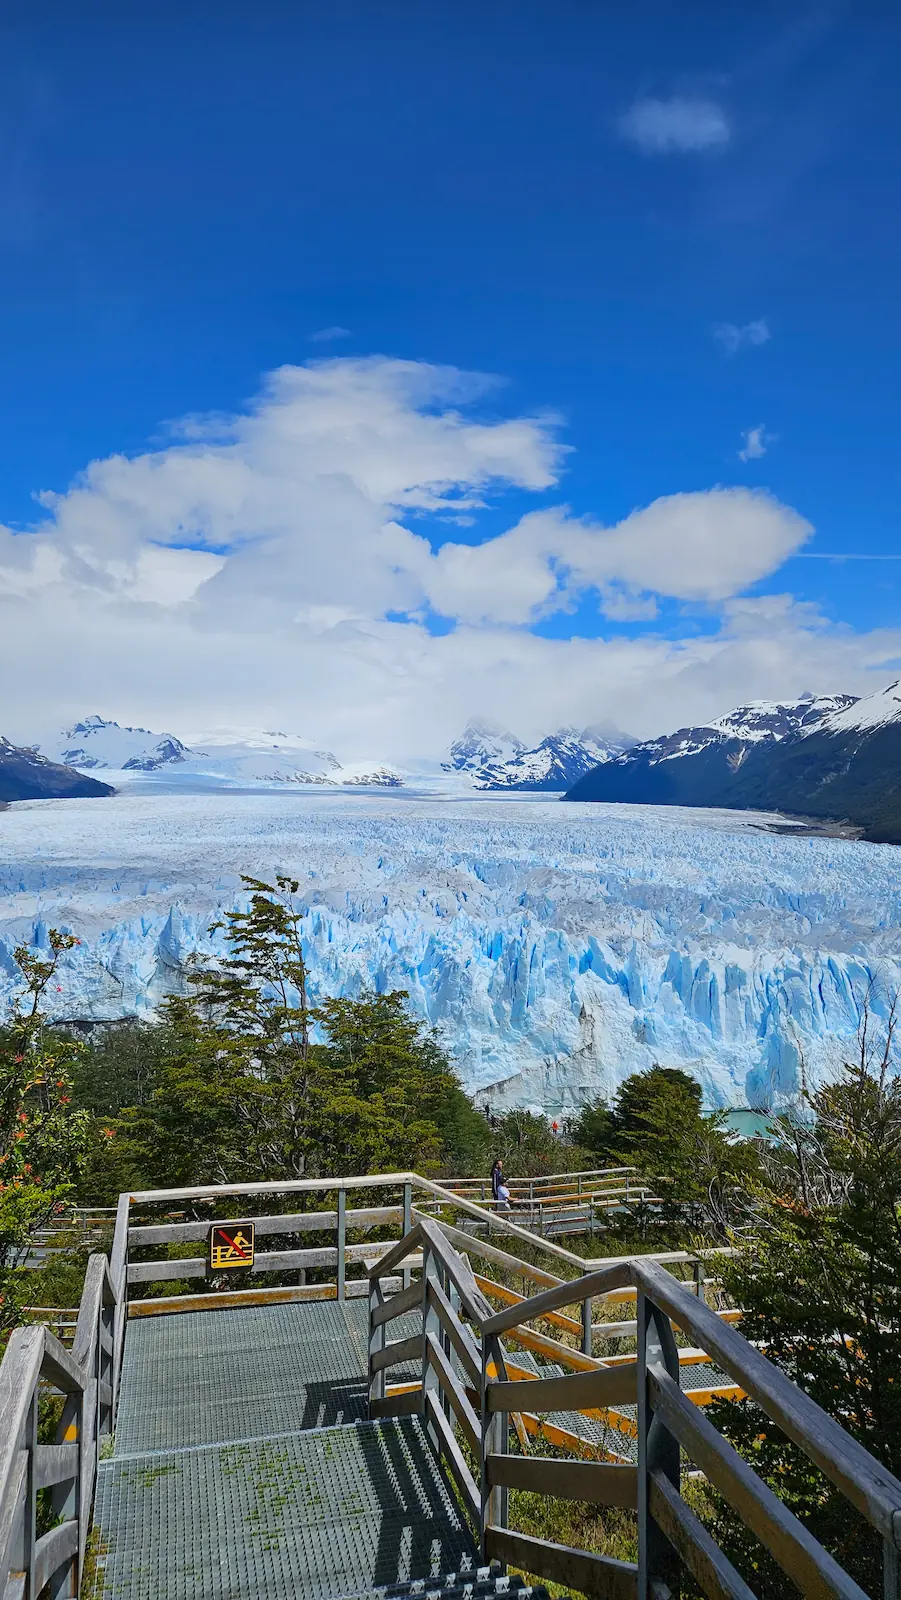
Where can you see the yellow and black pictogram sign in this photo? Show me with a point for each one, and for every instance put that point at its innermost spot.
(230, 1245)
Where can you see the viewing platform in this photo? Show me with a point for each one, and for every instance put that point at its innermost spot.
(369, 1435)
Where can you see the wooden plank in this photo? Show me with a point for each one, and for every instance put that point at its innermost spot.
(59, 1366)
(509, 1297)
(597, 1482)
(498, 1258)
(566, 1294)
(392, 1355)
(408, 1300)
(779, 1531)
(861, 1478)
(269, 1261)
(226, 1301)
(598, 1576)
(703, 1557)
(563, 1354)
(407, 1404)
(55, 1463)
(453, 1389)
(453, 1455)
(212, 1191)
(12, 1494)
(629, 1330)
(295, 1222)
(459, 1335)
(52, 1551)
(399, 1251)
(597, 1390)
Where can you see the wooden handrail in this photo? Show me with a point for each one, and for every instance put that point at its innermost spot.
(666, 1522)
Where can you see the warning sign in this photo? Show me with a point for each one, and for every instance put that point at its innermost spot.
(230, 1245)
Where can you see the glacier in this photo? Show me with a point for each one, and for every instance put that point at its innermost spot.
(556, 949)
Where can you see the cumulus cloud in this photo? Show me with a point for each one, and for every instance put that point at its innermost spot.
(679, 125)
(329, 335)
(733, 337)
(286, 566)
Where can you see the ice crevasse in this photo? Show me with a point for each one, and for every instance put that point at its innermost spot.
(555, 954)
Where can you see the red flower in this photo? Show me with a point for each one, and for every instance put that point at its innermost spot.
(108, 1133)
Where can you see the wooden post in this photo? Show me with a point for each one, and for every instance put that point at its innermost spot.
(342, 1240)
(407, 1225)
(586, 1327)
(891, 1570)
(699, 1279)
(494, 1442)
(30, 1442)
(658, 1451)
(376, 1342)
(430, 1324)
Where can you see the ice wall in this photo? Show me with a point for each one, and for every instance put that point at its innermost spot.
(556, 949)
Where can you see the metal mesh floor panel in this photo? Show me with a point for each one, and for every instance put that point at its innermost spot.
(206, 1377)
(338, 1512)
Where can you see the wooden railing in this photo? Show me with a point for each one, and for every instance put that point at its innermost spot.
(466, 1312)
(35, 1367)
(468, 1398)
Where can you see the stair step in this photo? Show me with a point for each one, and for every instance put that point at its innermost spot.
(346, 1511)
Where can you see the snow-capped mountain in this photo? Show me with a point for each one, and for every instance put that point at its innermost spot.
(27, 775)
(95, 743)
(836, 757)
(247, 755)
(878, 710)
(223, 757)
(759, 722)
(554, 764)
(481, 744)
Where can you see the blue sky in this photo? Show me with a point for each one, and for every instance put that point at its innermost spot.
(673, 234)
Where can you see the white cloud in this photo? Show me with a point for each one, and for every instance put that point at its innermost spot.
(755, 445)
(734, 338)
(680, 124)
(329, 335)
(273, 568)
(704, 546)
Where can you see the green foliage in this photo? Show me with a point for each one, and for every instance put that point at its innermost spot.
(44, 1141)
(819, 1281)
(118, 1066)
(656, 1124)
(241, 1088)
(529, 1148)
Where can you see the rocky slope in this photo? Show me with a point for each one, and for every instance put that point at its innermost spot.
(836, 757)
(26, 775)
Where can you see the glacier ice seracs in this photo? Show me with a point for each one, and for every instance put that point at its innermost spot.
(556, 948)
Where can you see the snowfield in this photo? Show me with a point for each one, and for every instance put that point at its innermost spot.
(556, 948)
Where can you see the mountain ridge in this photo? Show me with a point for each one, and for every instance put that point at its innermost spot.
(837, 757)
(27, 775)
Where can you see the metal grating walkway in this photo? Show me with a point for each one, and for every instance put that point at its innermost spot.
(206, 1377)
(333, 1512)
(237, 1476)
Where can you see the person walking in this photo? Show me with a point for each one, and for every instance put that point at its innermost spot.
(497, 1177)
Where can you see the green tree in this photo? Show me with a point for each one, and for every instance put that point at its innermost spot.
(44, 1141)
(244, 1090)
(528, 1146)
(819, 1282)
(656, 1124)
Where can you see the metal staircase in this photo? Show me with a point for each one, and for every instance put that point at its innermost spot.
(365, 1436)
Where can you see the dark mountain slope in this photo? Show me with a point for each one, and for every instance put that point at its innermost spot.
(845, 766)
(24, 775)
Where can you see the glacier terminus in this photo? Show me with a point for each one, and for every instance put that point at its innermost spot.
(556, 949)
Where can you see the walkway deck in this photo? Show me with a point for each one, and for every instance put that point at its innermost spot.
(243, 1466)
